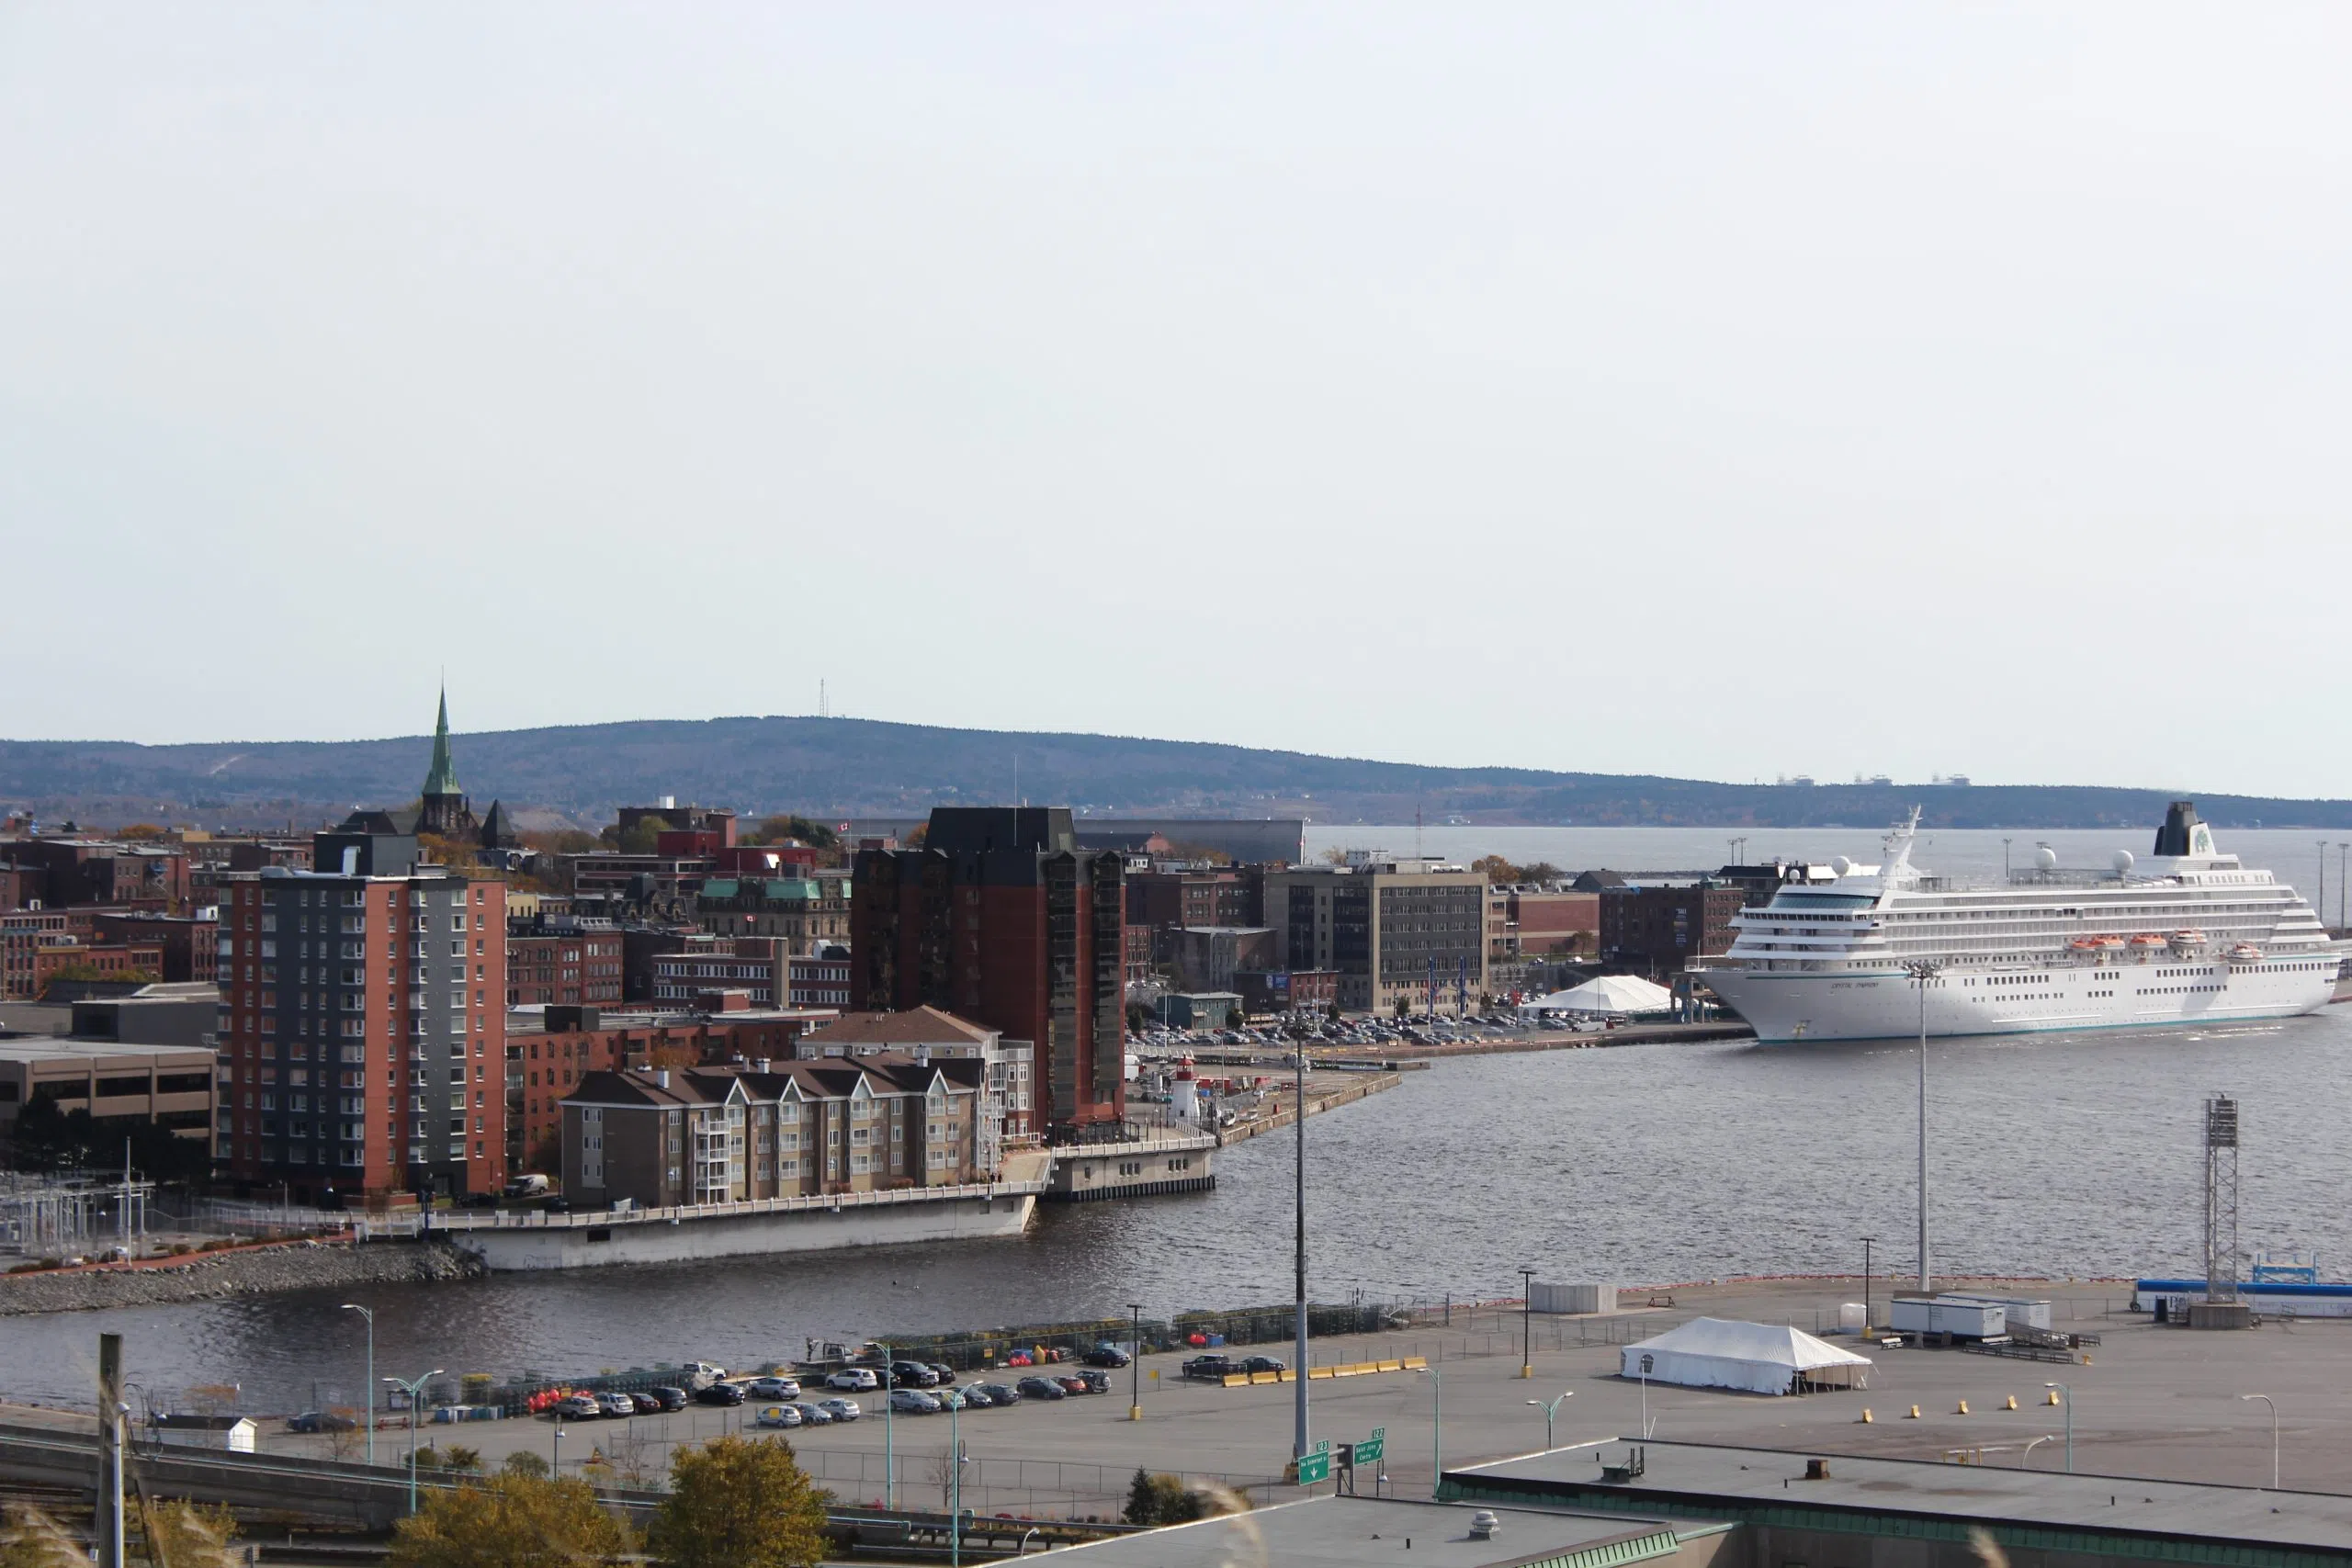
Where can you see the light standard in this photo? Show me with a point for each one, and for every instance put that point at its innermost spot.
(889, 1449)
(1135, 1361)
(2069, 1394)
(370, 1385)
(2274, 1434)
(1648, 1362)
(2004, 860)
(2341, 849)
(1550, 1408)
(1923, 970)
(2025, 1461)
(954, 1480)
(412, 1390)
(1866, 1284)
(1298, 1355)
(1527, 1322)
(1437, 1430)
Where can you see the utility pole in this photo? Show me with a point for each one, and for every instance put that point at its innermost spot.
(1298, 1391)
(1866, 1281)
(1923, 972)
(109, 1519)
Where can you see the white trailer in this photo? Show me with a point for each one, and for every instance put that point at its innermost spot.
(1946, 1314)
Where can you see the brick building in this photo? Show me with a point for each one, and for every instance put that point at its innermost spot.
(1172, 900)
(805, 912)
(1388, 926)
(364, 1026)
(1658, 929)
(1011, 1076)
(564, 964)
(188, 946)
(97, 871)
(1000, 918)
(1531, 922)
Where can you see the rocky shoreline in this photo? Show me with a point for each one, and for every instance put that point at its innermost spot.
(247, 1271)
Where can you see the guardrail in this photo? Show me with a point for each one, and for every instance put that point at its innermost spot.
(407, 1226)
(1337, 1370)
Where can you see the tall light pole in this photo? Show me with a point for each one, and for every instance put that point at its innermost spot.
(2068, 1394)
(1866, 1282)
(1527, 1322)
(2322, 881)
(1551, 1408)
(2025, 1460)
(2274, 1434)
(1923, 972)
(955, 1478)
(2004, 860)
(2341, 850)
(1298, 1355)
(413, 1391)
(889, 1449)
(1437, 1429)
(1135, 1361)
(370, 1385)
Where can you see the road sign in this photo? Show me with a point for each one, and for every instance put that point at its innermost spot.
(1369, 1451)
(1315, 1467)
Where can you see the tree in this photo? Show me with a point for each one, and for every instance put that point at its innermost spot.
(138, 832)
(639, 840)
(181, 1534)
(816, 835)
(510, 1522)
(455, 853)
(463, 1459)
(522, 1461)
(1335, 855)
(33, 1540)
(1162, 1500)
(740, 1503)
(98, 972)
(547, 1153)
(428, 1457)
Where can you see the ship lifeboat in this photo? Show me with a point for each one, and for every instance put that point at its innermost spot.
(2145, 940)
(2188, 939)
(2110, 945)
(2245, 953)
(2084, 945)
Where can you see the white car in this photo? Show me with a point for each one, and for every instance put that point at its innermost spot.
(842, 1409)
(777, 1415)
(856, 1379)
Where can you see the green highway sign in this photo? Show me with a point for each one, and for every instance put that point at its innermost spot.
(1370, 1450)
(1316, 1466)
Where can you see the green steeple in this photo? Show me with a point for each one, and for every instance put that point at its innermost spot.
(442, 778)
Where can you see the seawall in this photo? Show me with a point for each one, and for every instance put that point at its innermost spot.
(688, 1238)
(254, 1270)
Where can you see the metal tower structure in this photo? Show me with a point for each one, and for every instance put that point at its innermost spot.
(2221, 1199)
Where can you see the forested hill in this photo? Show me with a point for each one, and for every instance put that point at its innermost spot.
(843, 767)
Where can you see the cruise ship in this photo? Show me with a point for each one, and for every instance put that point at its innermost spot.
(2186, 937)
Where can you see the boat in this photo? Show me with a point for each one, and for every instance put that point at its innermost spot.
(1881, 951)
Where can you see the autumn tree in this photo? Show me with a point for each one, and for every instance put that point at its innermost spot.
(138, 832)
(454, 853)
(510, 1522)
(740, 1503)
(177, 1534)
(639, 840)
(522, 1461)
(1162, 1500)
(30, 1539)
(777, 830)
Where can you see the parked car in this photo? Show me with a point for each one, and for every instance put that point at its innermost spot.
(670, 1398)
(773, 1388)
(842, 1409)
(321, 1421)
(1072, 1383)
(577, 1407)
(814, 1415)
(720, 1393)
(1096, 1380)
(999, 1392)
(776, 1415)
(1107, 1355)
(558, 1204)
(914, 1402)
(646, 1404)
(1261, 1364)
(1211, 1369)
(975, 1397)
(1041, 1388)
(616, 1404)
(854, 1380)
(944, 1372)
(912, 1374)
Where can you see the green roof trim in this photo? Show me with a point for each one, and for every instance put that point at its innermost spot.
(719, 888)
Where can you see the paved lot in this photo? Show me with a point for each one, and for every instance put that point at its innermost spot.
(2161, 1403)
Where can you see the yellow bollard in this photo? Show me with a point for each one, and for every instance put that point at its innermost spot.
(2051, 1398)
(2087, 1358)
(1964, 1408)
(2012, 1405)
(1915, 1414)
(1866, 1414)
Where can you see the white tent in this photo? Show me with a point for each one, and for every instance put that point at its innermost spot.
(1757, 1357)
(1610, 993)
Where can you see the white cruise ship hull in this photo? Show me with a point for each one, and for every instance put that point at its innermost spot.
(1783, 1008)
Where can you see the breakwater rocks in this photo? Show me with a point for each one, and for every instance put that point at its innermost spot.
(245, 1271)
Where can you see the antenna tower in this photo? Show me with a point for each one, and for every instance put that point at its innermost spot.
(2221, 1199)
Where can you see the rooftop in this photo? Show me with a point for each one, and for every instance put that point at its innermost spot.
(915, 1026)
(58, 1048)
(1345, 1532)
(1724, 1481)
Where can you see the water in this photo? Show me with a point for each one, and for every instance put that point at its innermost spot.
(2053, 1155)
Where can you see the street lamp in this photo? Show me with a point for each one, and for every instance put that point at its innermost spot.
(1922, 971)
(2069, 1394)
(1527, 1322)
(889, 1450)
(1647, 1363)
(370, 1385)
(955, 1478)
(1135, 1361)
(2274, 1434)
(1550, 1408)
(1866, 1284)
(413, 1390)
(1437, 1430)
(2025, 1461)
(1298, 1355)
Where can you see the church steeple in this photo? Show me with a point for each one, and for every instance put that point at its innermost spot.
(442, 779)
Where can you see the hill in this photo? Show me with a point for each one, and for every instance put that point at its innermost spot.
(842, 767)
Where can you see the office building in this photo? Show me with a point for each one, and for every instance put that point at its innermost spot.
(1401, 934)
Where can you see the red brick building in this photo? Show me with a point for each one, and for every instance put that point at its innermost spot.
(574, 968)
(1002, 919)
(1658, 930)
(190, 947)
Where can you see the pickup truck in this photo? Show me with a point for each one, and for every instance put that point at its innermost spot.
(1211, 1369)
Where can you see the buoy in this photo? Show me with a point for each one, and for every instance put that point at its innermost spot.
(2012, 1405)
(1915, 1414)
(1964, 1408)
(1866, 1414)
(2051, 1398)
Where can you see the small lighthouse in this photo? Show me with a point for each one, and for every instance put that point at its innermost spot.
(1185, 1093)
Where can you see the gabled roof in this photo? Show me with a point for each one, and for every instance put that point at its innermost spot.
(916, 1026)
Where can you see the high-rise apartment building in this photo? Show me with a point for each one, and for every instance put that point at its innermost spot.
(1000, 918)
(364, 1027)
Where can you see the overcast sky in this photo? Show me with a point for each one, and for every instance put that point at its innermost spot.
(1720, 391)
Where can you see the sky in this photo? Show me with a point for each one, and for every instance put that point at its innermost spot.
(1708, 390)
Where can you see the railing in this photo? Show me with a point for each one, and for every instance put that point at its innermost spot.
(384, 1228)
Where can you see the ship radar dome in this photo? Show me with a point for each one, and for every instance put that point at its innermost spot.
(2123, 863)
(2045, 857)
(1841, 866)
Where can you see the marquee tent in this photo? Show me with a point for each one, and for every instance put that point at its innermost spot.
(1755, 1358)
(1610, 993)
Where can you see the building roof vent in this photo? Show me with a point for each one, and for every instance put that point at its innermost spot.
(1483, 1524)
(661, 1076)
